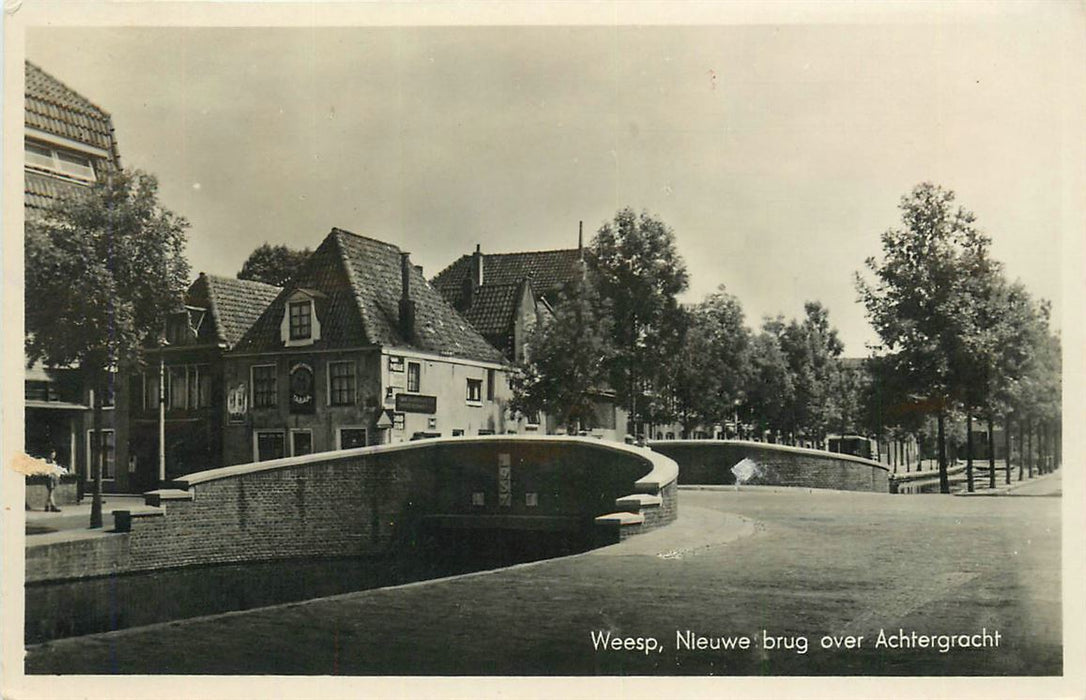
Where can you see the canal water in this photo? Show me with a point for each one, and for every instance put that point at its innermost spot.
(89, 606)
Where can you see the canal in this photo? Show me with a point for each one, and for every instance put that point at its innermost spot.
(88, 606)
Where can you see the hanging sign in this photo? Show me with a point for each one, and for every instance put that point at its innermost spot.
(301, 388)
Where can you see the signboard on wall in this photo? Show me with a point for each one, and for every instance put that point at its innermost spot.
(395, 363)
(237, 403)
(416, 403)
(301, 388)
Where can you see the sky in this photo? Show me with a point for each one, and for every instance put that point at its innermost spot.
(777, 153)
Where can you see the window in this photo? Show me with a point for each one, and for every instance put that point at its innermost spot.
(490, 385)
(531, 499)
(60, 162)
(301, 442)
(187, 387)
(178, 391)
(111, 455)
(478, 498)
(475, 391)
(341, 383)
(269, 444)
(349, 438)
(301, 320)
(264, 387)
(414, 375)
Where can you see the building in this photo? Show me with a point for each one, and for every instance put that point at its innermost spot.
(358, 349)
(503, 296)
(216, 313)
(69, 144)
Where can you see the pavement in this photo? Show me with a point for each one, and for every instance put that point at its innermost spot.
(73, 521)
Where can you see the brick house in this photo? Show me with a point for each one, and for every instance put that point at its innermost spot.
(503, 295)
(358, 349)
(217, 312)
(69, 144)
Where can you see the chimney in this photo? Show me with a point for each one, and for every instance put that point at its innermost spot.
(580, 240)
(477, 267)
(407, 306)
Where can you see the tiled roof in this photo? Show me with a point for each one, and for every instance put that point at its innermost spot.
(493, 312)
(361, 279)
(40, 190)
(234, 304)
(548, 271)
(53, 107)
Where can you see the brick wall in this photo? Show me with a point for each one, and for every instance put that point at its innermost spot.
(711, 462)
(365, 501)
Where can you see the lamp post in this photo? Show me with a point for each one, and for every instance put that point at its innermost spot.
(162, 409)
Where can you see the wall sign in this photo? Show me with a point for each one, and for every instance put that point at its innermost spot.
(395, 363)
(416, 403)
(237, 403)
(301, 389)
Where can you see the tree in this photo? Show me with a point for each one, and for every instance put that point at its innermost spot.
(639, 272)
(103, 268)
(566, 359)
(770, 392)
(273, 264)
(920, 301)
(812, 349)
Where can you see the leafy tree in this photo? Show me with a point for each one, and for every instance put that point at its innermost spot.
(566, 359)
(103, 268)
(812, 348)
(273, 264)
(639, 272)
(770, 391)
(710, 371)
(921, 302)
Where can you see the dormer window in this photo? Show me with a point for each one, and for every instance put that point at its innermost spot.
(301, 325)
(301, 320)
(59, 161)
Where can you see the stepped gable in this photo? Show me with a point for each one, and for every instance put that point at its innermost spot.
(548, 271)
(53, 107)
(359, 282)
(235, 304)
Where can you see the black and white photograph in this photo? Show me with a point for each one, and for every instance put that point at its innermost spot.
(485, 349)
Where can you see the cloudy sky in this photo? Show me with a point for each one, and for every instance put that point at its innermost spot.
(777, 152)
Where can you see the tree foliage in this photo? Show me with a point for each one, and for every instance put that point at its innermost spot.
(640, 273)
(565, 366)
(103, 268)
(273, 264)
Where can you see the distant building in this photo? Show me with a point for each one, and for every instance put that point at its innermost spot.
(504, 295)
(69, 145)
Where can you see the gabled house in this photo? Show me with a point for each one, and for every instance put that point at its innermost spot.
(359, 349)
(504, 295)
(69, 144)
(188, 362)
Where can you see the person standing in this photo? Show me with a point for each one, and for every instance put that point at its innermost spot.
(55, 472)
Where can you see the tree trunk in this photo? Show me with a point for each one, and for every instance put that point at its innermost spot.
(98, 460)
(944, 481)
(1029, 447)
(1007, 424)
(991, 452)
(1021, 449)
(969, 450)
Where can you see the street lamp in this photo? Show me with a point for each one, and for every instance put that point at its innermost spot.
(162, 343)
